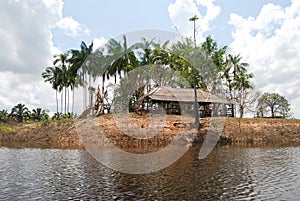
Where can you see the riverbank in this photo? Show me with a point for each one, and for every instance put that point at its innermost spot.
(63, 134)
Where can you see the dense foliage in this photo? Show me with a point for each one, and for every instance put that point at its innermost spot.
(205, 66)
(273, 105)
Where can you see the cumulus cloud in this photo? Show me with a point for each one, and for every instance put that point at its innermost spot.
(270, 43)
(72, 27)
(182, 10)
(99, 42)
(27, 48)
(25, 36)
(24, 88)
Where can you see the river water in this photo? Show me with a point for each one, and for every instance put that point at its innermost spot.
(228, 173)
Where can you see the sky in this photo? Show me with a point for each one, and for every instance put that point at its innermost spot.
(266, 33)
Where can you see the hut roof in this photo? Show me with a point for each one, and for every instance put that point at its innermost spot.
(184, 95)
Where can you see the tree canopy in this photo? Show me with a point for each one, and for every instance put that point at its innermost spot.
(206, 66)
(273, 105)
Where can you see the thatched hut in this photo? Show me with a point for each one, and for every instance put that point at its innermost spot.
(181, 100)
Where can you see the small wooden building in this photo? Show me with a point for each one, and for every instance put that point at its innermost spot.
(181, 100)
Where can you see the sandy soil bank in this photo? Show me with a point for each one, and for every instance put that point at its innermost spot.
(162, 130)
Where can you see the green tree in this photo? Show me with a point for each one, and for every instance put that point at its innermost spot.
(237, 78)
(99, 64)
(213, 73)
(52, 75)
(273, 104)
(236, 74)
(61, 61)
(122, 57)
(38, 114)
(3, 115)
(80, 64)
(20, 112)
(147, 48)
(62, 77)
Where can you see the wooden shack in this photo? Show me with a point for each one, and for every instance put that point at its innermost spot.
(181, 100)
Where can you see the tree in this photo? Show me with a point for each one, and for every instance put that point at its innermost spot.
(3, 115)
(193, 19)
(20, 112)
(122, 57)
(213, 73)
(237, 78)
(51, 74)
(236, 74)
(79, 62)
(274, 105)
(62, 61)
(62, 77)
(196, 106)
(147, 47)
(246, 100)
(37, 114)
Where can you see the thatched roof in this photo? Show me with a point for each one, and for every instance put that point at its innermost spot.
(184, 95)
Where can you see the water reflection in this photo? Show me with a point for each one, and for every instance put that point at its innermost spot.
(228, 173)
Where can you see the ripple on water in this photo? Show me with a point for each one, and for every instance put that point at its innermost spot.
(226, 174)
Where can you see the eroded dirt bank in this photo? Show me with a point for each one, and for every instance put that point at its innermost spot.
(64, 134)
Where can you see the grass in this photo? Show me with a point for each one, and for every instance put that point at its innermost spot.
(7, 129)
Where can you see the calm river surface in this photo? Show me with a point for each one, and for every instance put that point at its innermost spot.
(228, 173)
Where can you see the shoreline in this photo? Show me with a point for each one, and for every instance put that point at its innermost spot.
(252, 132)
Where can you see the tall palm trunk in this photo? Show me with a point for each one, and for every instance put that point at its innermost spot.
(91, 95)
(61, 101)
(56, 101)
(68, 104)
(73, 100)
(65, 100)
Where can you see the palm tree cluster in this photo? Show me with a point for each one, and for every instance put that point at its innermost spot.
(210, 68)
(21, 113)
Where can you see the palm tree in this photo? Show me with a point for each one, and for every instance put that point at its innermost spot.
(72, 83)
(234, 72)
(20, 112)
(236, 75)
(100, 64)
(147, 48)
(37, 114)
(78, 62)
(3, 115)
(52, 74)
(161, 54)
(122, 57)
(193, 19)
(62, 61)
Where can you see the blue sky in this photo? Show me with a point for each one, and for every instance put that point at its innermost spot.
(265, 32)
(111, 18)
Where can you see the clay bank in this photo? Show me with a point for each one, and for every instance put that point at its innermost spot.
(66, 135)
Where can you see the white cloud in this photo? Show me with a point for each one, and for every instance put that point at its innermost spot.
(20, 88)
(270, 44)
(72, 27)
(25, 34)
(99, 43)
(182, 10)
(27, 48)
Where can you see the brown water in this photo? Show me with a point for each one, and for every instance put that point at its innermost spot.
(228, 173)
